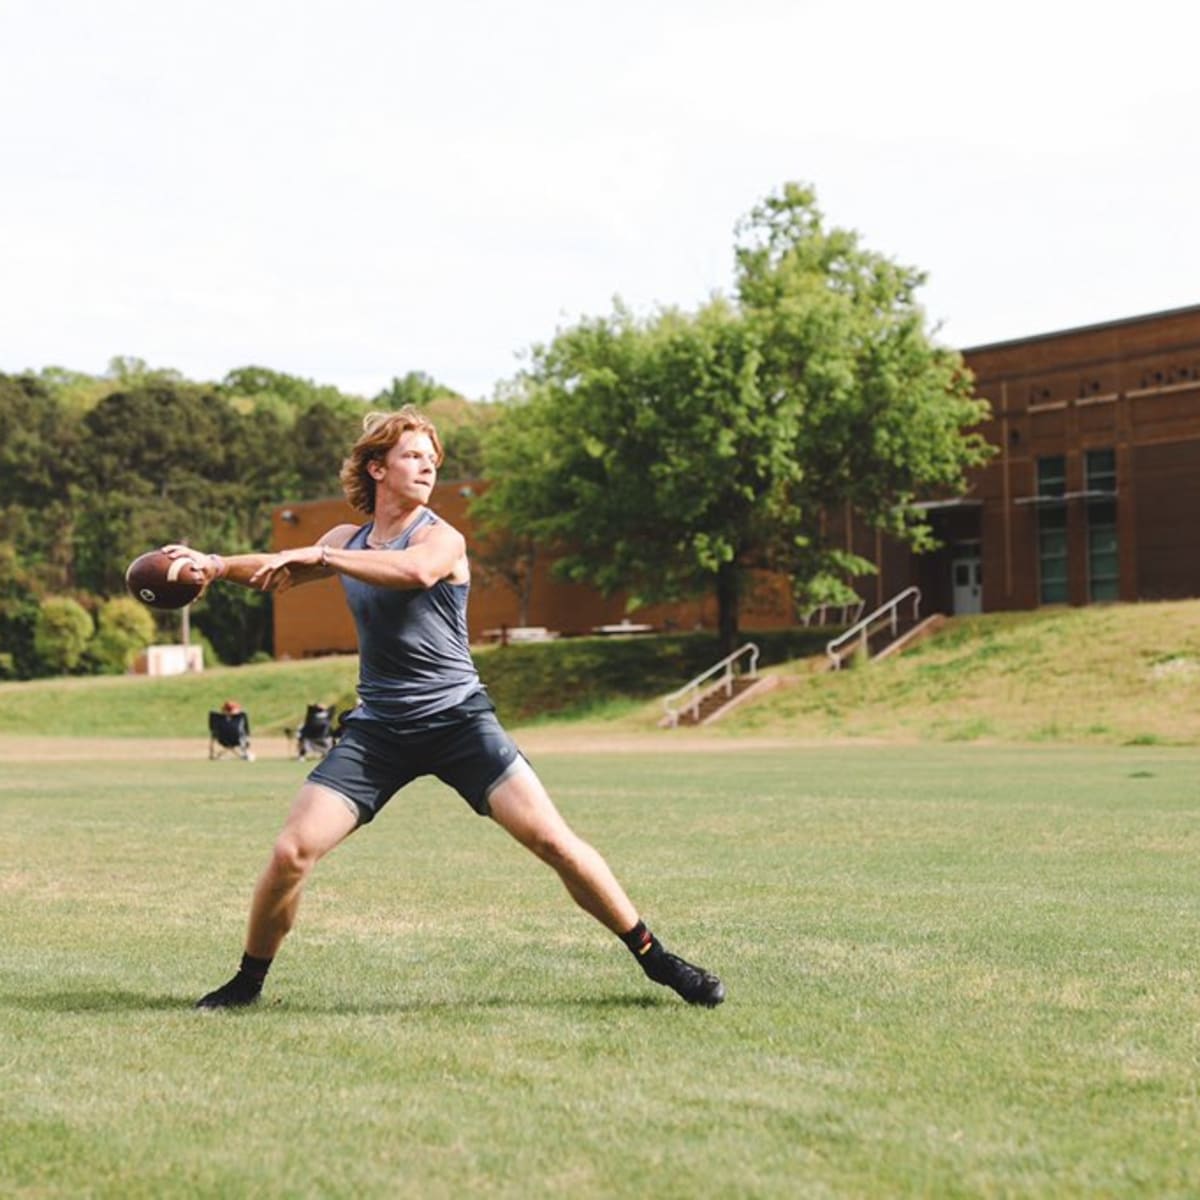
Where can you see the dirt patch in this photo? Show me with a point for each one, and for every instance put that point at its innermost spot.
(19, 748)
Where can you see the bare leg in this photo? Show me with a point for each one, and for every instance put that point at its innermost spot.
(522, 806)
(318, 821)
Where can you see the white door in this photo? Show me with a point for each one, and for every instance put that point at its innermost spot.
(968, 585)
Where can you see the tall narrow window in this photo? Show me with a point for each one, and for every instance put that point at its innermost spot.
(1052, 529)
(1104, 576)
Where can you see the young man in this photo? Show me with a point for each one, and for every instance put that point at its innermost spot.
(422, 708)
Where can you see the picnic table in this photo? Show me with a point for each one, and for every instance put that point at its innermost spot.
(622, 627)
(507, 634)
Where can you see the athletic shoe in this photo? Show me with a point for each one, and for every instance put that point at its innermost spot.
(237, 993)
(694, 984)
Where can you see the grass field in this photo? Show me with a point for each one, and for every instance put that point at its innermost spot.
(953, 971)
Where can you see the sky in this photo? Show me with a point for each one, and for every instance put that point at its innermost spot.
(349, 190)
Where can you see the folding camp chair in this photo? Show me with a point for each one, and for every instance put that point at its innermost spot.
(315, 736)
(229, 733)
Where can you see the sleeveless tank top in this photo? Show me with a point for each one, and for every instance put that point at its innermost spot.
(414, 654)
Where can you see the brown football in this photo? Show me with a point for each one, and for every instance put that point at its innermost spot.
(154, 579)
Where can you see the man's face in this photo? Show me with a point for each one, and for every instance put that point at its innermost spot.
(409, 470)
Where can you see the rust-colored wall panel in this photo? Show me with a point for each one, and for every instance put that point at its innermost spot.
(314, 620)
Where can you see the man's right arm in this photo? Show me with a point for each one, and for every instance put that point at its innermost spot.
(252, 570)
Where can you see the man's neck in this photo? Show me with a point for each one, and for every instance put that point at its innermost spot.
(390, 522)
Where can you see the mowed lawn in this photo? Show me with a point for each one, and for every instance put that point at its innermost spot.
(952, 971)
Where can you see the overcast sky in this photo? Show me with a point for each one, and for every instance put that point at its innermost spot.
(348, 190)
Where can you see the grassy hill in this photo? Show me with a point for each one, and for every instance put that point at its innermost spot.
(1114, 674)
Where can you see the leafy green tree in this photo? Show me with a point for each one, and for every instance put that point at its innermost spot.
(18, 616)
(161, 467)
(884, 413)
(131, 372)
(319, 441)
(672, 453)
(237, 622)
(415, 388)
(64, 628)
(39, 442)
(638, 451)
(95, 470)
(263, 385)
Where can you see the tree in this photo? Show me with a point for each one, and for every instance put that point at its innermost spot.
(261, 384)
(415, 388)
(673, 453)
(884, 412)
(18, 616)
(504, 556)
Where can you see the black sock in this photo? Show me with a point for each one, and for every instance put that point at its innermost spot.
(248, 982)
(642, 943)
(254, 970)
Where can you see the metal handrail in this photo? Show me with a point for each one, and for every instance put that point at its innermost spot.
(674, 712)
(861, 631)
(820, 614)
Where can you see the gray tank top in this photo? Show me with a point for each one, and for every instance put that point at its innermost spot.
(414, 654)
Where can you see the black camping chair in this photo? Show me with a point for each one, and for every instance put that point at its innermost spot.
(315, 736)
(229, 733)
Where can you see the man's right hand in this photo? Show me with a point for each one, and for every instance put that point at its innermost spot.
(204, 567)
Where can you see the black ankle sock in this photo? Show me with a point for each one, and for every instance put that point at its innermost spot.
(643, 944)
(254, 970)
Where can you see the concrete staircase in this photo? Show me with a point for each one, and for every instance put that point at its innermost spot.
(695, 705)
(912, 635)
(721, 698)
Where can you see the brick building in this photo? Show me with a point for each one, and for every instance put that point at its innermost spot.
(1093, 495)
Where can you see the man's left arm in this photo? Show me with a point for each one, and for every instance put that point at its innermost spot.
(439, 552)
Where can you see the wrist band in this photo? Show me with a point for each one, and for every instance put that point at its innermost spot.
(222, 566)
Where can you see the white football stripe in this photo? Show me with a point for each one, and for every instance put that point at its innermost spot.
(177, 565)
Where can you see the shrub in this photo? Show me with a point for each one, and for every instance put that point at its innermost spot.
(125, 627)
(64, 628)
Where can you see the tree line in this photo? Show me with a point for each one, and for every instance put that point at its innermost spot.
(661, 455)
(96, 470)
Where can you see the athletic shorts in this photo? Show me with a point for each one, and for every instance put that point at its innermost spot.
(374, 759)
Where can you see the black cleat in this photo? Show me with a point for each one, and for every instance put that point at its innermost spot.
(694, 984)
(237, 993)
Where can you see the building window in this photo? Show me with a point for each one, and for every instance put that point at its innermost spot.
(1052, 529)
(1104, 575)
(1052, 476)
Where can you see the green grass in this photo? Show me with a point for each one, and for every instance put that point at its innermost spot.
(1108, 674)
(953, 970)
(576, 678)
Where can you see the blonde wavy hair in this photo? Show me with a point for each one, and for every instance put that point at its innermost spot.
(381, 431)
